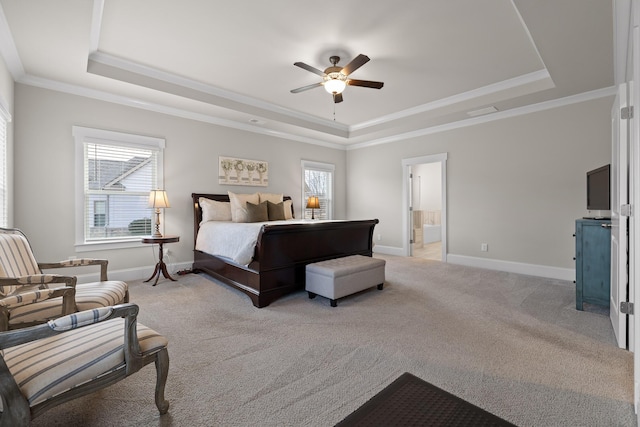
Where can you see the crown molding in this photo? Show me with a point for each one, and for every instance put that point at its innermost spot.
(540, 76)
(177, 112)
(130, 72)
(514, 112)
(96, 25)
(163, 109)
(8, 49)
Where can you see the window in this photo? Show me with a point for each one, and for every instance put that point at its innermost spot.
(5, 118)
(115, 172)
(318, 181)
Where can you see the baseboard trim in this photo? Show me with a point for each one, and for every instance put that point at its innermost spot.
(143, 273)
(514, 267)
(495, 264)
(388, 250)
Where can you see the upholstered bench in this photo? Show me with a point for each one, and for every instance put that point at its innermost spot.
(340, 277)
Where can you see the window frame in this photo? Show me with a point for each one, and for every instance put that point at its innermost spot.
(5, 119)
(323, 167)
(83, 135)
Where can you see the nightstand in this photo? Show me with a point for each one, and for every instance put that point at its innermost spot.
(161, 267)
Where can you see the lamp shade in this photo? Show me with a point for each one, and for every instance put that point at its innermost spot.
(158, 199)
(313, 202)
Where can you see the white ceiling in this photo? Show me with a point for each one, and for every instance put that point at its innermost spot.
(231, 63)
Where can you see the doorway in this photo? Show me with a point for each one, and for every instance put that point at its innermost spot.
(425, 207)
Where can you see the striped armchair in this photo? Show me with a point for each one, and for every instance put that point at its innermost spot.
(45, 365)
(29, 297)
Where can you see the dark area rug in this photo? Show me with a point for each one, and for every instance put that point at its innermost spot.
(410, 401)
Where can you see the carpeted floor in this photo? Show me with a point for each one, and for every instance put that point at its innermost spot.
(513, 345)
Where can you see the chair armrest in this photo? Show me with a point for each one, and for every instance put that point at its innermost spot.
(72, 321)
(38, 279)
(79, 262)
(30, 297)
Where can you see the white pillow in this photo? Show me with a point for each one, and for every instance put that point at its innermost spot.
(270, 197)
(239, 205)
(287, 209)
(213, 210)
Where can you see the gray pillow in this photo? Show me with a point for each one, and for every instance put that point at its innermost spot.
(276, 211)
(257, 213)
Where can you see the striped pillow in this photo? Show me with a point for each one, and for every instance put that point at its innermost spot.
(77, 320)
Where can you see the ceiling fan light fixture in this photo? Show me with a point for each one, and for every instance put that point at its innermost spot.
(335, 82)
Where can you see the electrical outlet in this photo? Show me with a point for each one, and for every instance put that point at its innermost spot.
(484, 247)
(168, 252)
(379, 237)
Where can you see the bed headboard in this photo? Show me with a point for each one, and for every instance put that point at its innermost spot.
(197, 211)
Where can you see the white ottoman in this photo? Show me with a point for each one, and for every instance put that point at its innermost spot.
(339, 277)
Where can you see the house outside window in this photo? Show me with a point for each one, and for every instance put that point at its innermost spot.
(115, 173)
(99, 213)
(318, 181)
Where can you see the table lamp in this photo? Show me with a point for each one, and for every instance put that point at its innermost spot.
(313, 203)
(158, 199)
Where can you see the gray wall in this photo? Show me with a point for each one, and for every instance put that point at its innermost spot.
(517, 183)
(44, 158)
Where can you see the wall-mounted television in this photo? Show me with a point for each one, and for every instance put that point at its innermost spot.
(599, 189)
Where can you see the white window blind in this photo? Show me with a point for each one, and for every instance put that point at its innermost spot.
(117, 172)
(318, 181)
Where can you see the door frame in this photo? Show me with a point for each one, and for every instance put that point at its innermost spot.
(406, 197)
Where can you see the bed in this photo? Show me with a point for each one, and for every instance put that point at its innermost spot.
(282, 251)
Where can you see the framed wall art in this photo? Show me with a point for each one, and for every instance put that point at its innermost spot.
(234, 171)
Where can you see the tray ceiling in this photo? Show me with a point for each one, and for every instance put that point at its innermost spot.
(231, 63)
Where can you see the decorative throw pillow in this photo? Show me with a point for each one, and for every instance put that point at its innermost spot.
(213, 210)
(257, 213)
(270, 197)
(288, 212)
(276, 211)
(239, 205)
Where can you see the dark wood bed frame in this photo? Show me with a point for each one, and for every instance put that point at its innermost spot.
(282, 252)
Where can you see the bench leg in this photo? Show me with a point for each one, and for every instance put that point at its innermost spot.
(311, 295)
(334, 303)
(380, 286)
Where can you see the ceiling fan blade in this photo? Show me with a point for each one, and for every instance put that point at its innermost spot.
(303, 88)
(337, 97)
(309, 68)
(357, 62)
(365, 83)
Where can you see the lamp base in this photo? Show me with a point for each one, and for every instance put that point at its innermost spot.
(157, 232)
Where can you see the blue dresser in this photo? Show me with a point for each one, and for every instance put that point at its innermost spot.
(593, 262)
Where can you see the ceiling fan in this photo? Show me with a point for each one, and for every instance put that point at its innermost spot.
(335, 79)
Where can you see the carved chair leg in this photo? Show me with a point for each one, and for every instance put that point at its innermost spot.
(162, 371)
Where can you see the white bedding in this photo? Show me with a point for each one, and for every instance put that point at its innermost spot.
(233, 240)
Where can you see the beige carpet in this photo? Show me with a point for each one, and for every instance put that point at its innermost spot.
(511, 344)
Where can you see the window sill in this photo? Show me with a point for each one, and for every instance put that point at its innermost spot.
(101, 246)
